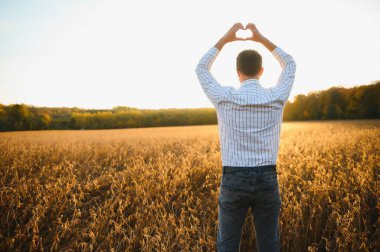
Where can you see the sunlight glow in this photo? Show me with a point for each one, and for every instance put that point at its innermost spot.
(100, 54)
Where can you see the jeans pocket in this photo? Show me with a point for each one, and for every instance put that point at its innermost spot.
(267, 180)
(235, 182)
(268, 200)
(231, 199)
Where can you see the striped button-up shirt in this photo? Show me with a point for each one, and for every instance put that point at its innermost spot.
(249, 117)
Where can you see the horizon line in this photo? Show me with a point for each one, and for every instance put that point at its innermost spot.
(291, 99)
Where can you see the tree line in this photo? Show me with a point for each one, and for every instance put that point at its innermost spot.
(23, 117)
(362, 102)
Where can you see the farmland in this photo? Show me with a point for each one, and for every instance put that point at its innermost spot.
(156, 189)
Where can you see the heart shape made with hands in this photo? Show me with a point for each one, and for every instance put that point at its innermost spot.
(244, 33)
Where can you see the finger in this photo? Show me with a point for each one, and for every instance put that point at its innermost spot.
(250, 26)
(238, 26)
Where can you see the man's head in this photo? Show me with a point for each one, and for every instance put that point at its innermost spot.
(248, 65)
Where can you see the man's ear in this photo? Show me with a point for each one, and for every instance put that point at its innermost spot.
(261, 71)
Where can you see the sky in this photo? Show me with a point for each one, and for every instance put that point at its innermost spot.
(107, 53)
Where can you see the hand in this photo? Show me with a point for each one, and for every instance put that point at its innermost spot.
(256, 35)
(230, 36)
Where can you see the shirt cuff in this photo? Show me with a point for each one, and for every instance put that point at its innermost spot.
(214, 51)
(277, 51)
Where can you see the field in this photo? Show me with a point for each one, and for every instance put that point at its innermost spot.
(156, 189)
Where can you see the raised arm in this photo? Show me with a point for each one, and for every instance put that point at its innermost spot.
(214, 91)
(285, 82)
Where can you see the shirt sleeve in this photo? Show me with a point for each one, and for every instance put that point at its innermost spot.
(213, 90)
(285, 82)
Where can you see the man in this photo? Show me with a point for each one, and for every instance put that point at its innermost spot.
(249, 120)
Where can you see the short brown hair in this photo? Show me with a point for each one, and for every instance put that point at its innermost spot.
(248, 62)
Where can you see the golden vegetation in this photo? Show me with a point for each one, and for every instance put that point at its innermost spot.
(156, 189)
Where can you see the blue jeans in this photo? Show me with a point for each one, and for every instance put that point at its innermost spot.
(239, 191)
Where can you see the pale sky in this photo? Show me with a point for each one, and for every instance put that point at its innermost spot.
(105, 53)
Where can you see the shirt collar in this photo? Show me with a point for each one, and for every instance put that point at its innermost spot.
(254, 82)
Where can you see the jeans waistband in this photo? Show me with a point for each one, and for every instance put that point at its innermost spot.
(231, 169)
